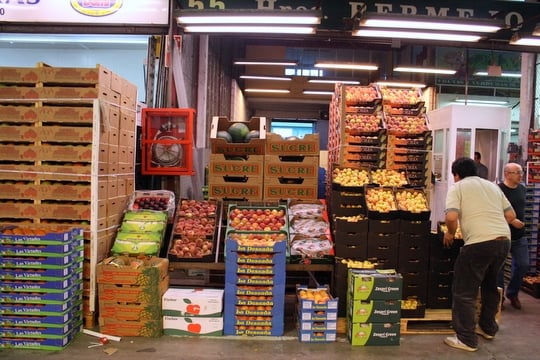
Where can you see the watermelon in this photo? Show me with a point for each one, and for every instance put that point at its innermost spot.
(238, 132)
(253, 134)
(224, 135)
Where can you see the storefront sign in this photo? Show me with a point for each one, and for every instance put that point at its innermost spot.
(515, 14)
(95, 12)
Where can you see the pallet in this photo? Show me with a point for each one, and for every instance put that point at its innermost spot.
(436, 321)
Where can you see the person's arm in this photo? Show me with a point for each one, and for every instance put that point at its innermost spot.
(451, 221)
(512, 220)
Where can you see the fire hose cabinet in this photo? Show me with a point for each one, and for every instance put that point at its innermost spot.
(167, 141)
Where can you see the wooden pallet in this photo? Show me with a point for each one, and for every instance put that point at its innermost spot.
(436, 321)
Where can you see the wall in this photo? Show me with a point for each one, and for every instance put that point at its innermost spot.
(128, 63)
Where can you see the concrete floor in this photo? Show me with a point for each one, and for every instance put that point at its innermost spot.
(518, 339)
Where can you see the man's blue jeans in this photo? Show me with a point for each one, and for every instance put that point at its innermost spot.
(520, 265)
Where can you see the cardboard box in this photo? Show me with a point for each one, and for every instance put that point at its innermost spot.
(307, 146)
(253, 147)
(373, 333)
(143, 328)
(147, 294)
(249, 190)
(373, 311)
(282, 166)
(221, 166)
(118, 270)
(193, 302)
(281, 189)
(182, 326)
(375, 284)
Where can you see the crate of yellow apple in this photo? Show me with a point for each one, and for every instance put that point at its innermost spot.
(381, 203)
(413, 204)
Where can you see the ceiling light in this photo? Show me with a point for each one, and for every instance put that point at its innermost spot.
(424, 70)
(250, 21)
(266, 62)
(432, 35)
(256, 77)
(269, 91)
(400, 84)
(504, 74)
(334, 81)
(518, 39)
(298, 17)
(317, 92)
(483, 102)
(420, 22)
(346, 66)
(268, 29)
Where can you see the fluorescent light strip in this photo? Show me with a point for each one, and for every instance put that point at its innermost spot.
(316, 92)
(268, 29)
(527, 41)
(275, 78)
(416, 35)
(269, 91)
(504, 74)
(346, 66)
(328, 81)
(424, 70)
(250, 19)
(400, 84)
(265, 62)
(428, 25)
(485, 102)
(81, 38)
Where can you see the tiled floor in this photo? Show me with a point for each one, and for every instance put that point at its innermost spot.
(518, 339)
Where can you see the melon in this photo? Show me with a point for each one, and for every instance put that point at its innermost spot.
(253, 134)
(238, 132)
(224, 135)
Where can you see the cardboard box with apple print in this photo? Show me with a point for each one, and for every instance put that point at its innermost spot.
(192, 325)
(200, 302)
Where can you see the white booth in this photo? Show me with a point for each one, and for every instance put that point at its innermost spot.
(461, 130)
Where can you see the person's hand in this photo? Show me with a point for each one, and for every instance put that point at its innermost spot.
(448, 239)
(518, 224)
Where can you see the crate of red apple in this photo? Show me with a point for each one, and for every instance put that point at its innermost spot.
(193, 234)
(253, 218)
(155, 200)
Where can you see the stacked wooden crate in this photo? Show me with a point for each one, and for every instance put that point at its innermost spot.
(67, 151)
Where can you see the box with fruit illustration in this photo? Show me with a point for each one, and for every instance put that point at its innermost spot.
(361, 334)
(367, 311)
(195, 302)
(192, 326)
(413, 204)
(126, 270)
(375, 284)
(131, 328)
(381, 203)
(238, 138)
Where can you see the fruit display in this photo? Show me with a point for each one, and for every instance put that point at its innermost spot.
(155, 200)
(318, 296)
(196, 208)
(350, 176)
(257, 219)
(305, 209)
(389, 177)
(141, 232)
(413, 201)
(195, 226)
(261, 239)
(358, 95)
(363, 123)
(406, 124)
(401, 97)
(380, 199)
(191, 247)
